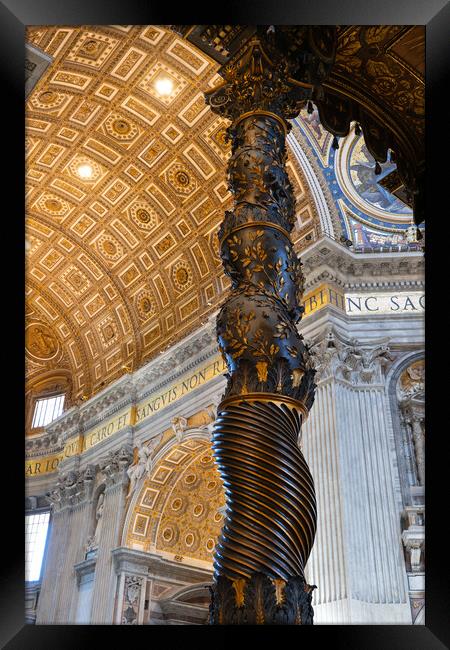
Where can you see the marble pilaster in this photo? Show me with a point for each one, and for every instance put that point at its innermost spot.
(114, 467)
(357, 560)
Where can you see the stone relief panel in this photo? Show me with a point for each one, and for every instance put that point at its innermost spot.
(131, 599)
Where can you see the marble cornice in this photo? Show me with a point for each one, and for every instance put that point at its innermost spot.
(194, 349)
(108, 401)
(84, 568)
(66, 425)
(82, 417)
(414, 285)
(345, 267)
(42, 444)
(329, 277)
(168, 379)
(155, 566)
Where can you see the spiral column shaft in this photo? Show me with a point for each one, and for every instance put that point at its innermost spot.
(271, 508)
(271, 519)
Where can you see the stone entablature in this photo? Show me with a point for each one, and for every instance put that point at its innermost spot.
(128, 391)
(330, 260)
(41, 444)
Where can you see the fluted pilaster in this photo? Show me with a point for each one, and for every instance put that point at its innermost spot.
(348, 444)
(70, 501)
(114, 468)
(53, 568)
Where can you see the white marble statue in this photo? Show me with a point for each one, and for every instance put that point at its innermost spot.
(99, 516)
(179, 425)
(143, 466)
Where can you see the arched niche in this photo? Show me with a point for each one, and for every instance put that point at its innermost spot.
(407, 399)
(174, 511)
(194, 594)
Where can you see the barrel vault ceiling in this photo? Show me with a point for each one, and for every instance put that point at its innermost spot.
(124, 263)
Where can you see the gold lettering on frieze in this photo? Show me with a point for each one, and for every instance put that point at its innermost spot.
(322, 296)
(106, 429)
(129, 416)
(43, 465)
(160, 401)
(364, 303)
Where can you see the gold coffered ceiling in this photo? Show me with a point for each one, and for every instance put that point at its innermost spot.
(125, 262)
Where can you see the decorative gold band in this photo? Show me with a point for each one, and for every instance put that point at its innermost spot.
(253, 224)
(275, 398)
(260, 112)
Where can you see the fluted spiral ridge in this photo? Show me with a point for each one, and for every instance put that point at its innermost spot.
(271, 506)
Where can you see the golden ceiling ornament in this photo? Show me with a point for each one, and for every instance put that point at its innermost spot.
(74, 279)
(40, 342)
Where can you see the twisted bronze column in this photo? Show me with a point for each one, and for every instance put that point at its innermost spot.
(271, 510)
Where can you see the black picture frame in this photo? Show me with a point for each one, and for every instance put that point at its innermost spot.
(15, 15)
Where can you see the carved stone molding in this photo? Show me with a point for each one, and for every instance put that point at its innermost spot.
(346, 267)
(115, 464)
(41, 444)
(413, 538)
(66, 426)
(168, 366)
(72, 488)
(132, 561)
(84, 569)
(36, 502)
(112, 399)
(349, 360)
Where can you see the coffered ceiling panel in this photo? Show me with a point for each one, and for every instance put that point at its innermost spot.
(125, 190)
